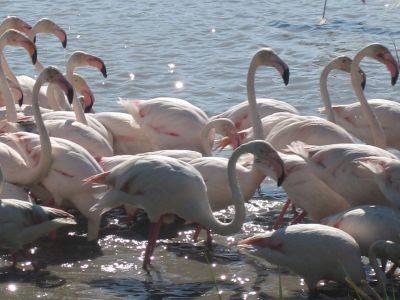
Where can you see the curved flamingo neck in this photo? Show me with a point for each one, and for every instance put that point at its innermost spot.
(251, 98)
(240, 211)
(76, 105)
(9, 101)
(216, 124)
(377, 132)
(45, 156)
(324, 92)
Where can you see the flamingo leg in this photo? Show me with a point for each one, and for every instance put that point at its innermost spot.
(298, 218)
(392, 270)
(151, 243)
(209, 238)
(197, 231)
(279, 219)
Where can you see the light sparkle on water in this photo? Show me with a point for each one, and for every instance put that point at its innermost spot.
(12, 287)
(179, 85)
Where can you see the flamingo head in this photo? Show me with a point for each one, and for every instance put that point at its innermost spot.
(15, 38)
(383, 55)
(81, 58)
(48, 26)
(343, 63)
(261, 244)
(268, 57)
(265, 156)
(13, 22)
(55, 76)
(83, 88)
(234, 139)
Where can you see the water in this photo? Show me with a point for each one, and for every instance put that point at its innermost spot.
(199, 51)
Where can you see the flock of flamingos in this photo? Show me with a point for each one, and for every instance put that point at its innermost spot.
(56, 153)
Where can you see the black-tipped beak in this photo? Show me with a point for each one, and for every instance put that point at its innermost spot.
(34, 39)
(394, 78)
(104, 71)
(34, 56)
(363, 80)
(21, 100)
(70, 94)
(64, 42)
(281, 179)
(285, 76)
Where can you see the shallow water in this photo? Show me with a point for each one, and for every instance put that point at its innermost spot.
(199, 51)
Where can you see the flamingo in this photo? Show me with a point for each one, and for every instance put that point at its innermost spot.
(173, 123)
(13, 38)
(24, 222)
(80, 59)
(163, 185)
(69, 162)
(352, 118)
(342, 63)
(367, 224)
(240, 113)
(313, 251)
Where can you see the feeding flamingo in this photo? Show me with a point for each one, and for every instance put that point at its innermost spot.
(163, 185)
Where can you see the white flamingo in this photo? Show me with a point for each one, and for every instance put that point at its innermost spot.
(313, 251)
(368, 224)
(163, 185)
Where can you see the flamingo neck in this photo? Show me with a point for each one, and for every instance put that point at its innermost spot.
(9, 101)
(43, 167)
(240, 211)
(324, 92)
(76, 105)
(56, 98)
(251, 98)
(377, 132)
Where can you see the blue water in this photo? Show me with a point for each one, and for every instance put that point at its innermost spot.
(199, 51)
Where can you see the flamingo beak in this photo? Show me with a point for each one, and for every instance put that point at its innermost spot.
(363, 79)
(31, 48)
(99, 64)
(62, 36)
(285, 75)
(66, 87)
(88, 100)
(392, 66)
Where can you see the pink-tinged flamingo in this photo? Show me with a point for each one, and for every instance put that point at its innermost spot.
(163, 185)
(352, 116)
(240, 114)
(281, 128)
(343, 168)
(69, 163)
(25, 82)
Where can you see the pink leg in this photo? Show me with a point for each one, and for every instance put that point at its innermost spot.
(151, 243)
(298, 218)
(279, 219)
(197, 231)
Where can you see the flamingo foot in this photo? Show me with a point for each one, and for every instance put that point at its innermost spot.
(298, 218)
